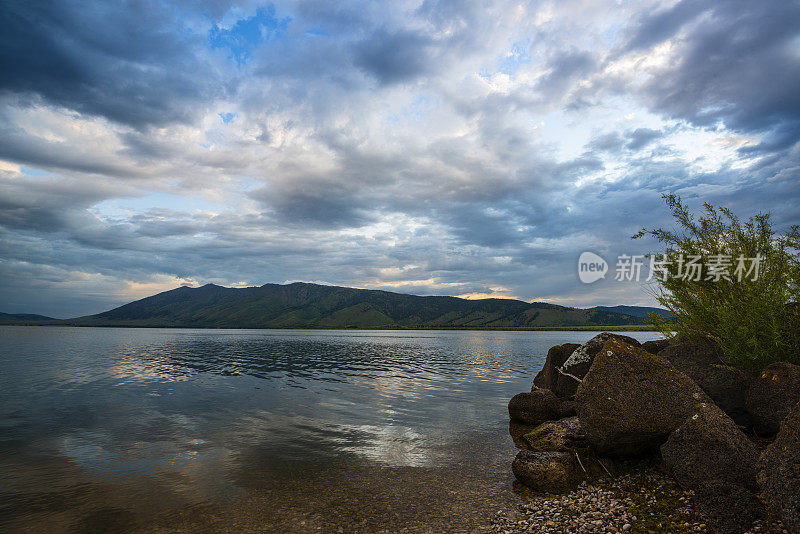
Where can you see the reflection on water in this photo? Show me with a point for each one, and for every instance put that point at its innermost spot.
(150, 428)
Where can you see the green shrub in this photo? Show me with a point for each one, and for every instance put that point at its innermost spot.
(751, 317)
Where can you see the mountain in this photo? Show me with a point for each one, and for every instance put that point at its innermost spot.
(302, 305)
(17, 318)
(636, 311)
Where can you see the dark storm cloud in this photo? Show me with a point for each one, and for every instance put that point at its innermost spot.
(317, 203)
(607, 142)
(143, 147)
(641, 137)
(617, 142)
(738, 64)
(393, 57)
(129, 63)
(336, 17)
(346, 40)
(656, 27)
(567, 66)
(50, 205)
(17, 145)
(310, 62)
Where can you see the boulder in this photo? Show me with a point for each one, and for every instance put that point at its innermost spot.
(580, 361)
(727, 387)
(536, 407)
(705, 364)
(727, 508)
(566, 408)
(709, 447)
(563, 435)
(548, 471)
(779, 471)
(556, 356)
(710, 455)
(772, 396)
(517, 431)
(630, 401)
(655, 346)
(693, 358)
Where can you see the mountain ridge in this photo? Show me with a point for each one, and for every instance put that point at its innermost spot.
(307, 305)
(14, 318)
(636, 311)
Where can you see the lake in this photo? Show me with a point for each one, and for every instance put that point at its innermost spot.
(165, 430)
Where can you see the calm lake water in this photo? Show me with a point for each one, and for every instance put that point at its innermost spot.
(165, 430)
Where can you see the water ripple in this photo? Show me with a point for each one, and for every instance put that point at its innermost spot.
(120, 415)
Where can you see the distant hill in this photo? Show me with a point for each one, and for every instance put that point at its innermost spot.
(636, 311)
(302, 305)
(18, 318)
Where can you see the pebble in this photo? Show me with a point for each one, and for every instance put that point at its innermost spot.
(605, 506)
(770, 526)
(588, 509)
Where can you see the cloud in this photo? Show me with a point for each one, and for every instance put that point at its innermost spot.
(394, 57)
(316, 203)
(641, 137)
(136, 65)
(246, 34)
(734, 63)
(435, 148)
(566, 68)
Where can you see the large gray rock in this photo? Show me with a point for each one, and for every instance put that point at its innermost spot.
(710, 455)
(727, 387)
(548, 471)
(693, 358)
(709, 447)
(631, 401)
(772, 396)
(536, 407)
(580, 361)
(705, 364)
(779, 471)
(556, 356)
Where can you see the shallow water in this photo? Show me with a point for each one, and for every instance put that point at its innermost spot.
(164, 430)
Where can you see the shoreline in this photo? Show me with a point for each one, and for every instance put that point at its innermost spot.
(591, 328)
(641, 499)
(671, 421)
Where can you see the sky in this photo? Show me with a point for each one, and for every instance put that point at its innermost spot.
(435, 147)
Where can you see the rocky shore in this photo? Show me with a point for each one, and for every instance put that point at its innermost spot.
(618, 436)
(643, 500)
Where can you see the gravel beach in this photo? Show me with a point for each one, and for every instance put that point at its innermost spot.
(640, 500)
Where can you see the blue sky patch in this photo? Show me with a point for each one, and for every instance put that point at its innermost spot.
(227, 118)
(247, 34)
(517, 56)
